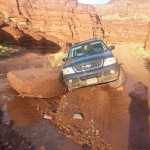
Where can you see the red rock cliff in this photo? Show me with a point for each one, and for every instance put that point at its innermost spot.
(47, 24)
(125, 21)
(147, 42)
(57, 20)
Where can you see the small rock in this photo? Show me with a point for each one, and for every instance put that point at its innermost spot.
(86, 132)
(120, 88)
(9, 98)
(86, 147)
(4, 97)
(97, 132)
(92, 120)
(48, 117)
(64, 96)
(22, 142)
(6, 143)
(78, 116)
(9, 147)
(41, 148)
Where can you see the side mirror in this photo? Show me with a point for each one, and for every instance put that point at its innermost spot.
(64, 59)
(111, 47)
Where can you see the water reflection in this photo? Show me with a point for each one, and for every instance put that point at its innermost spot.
(30, 124)
(5, 118)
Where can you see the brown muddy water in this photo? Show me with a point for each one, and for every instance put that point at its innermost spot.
(31, 123)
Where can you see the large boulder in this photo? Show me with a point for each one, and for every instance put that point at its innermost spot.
(37, 82)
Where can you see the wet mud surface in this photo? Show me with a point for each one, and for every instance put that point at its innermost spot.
(115, 119)
(10, 139)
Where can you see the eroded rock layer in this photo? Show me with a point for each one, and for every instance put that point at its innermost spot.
(52, 24)
(125, 21)
(60, 21)
(147, 42)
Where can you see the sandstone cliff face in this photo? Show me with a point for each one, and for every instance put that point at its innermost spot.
(51, 24)
(60, 21)
(147, 42)
(125, 21)
(133, 1)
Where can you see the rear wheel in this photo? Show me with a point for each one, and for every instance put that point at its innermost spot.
(121, 80)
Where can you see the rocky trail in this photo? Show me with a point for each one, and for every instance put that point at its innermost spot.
(96, 117)
(91, 118)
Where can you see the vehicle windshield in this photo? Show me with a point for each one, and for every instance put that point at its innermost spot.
(87, 49)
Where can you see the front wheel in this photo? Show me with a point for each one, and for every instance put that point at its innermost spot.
(121, 80)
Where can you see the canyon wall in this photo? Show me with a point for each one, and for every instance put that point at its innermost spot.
(59, 21)
(147, 42)
(125, 21)
(52, 24)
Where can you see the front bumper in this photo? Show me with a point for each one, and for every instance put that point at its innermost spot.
(103, 75)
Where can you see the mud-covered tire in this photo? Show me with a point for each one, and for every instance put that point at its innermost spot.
(121, 80)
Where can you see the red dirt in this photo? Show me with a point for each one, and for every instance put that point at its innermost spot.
(110, 112)
(10, 139)
(112, 119)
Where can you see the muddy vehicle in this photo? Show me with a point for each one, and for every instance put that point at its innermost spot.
(91, 62)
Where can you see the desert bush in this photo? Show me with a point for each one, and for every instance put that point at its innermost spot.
(6, 51)
(141, 53)
(55, 60)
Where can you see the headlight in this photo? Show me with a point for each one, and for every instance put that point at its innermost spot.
(68, 70)
(110, 61)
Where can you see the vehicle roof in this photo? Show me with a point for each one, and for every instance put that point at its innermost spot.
(85, 42)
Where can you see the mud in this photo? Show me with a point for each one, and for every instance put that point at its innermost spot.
(27, 114)
(10, 139)
(115, 119)
(28, 120)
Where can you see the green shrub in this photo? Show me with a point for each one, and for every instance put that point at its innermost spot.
(55, 60)
(140, 53)
(6, 51)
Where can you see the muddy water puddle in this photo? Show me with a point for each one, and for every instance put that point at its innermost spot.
(27, 117)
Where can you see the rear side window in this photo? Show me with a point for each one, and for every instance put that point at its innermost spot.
(76, 52)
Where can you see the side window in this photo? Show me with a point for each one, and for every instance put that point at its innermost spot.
(76, 52)
(79, 52)
(98, 46)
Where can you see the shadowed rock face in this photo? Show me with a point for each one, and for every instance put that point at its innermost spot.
(61, 20)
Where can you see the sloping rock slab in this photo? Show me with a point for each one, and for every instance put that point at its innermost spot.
(37, 82)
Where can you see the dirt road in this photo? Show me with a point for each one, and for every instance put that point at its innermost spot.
(116, 119)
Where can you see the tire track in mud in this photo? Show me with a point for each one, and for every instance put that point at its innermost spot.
(129, 117)
(93, 103)
(107, 122)
(118, 120)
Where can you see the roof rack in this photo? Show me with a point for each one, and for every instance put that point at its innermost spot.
(85, 41)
